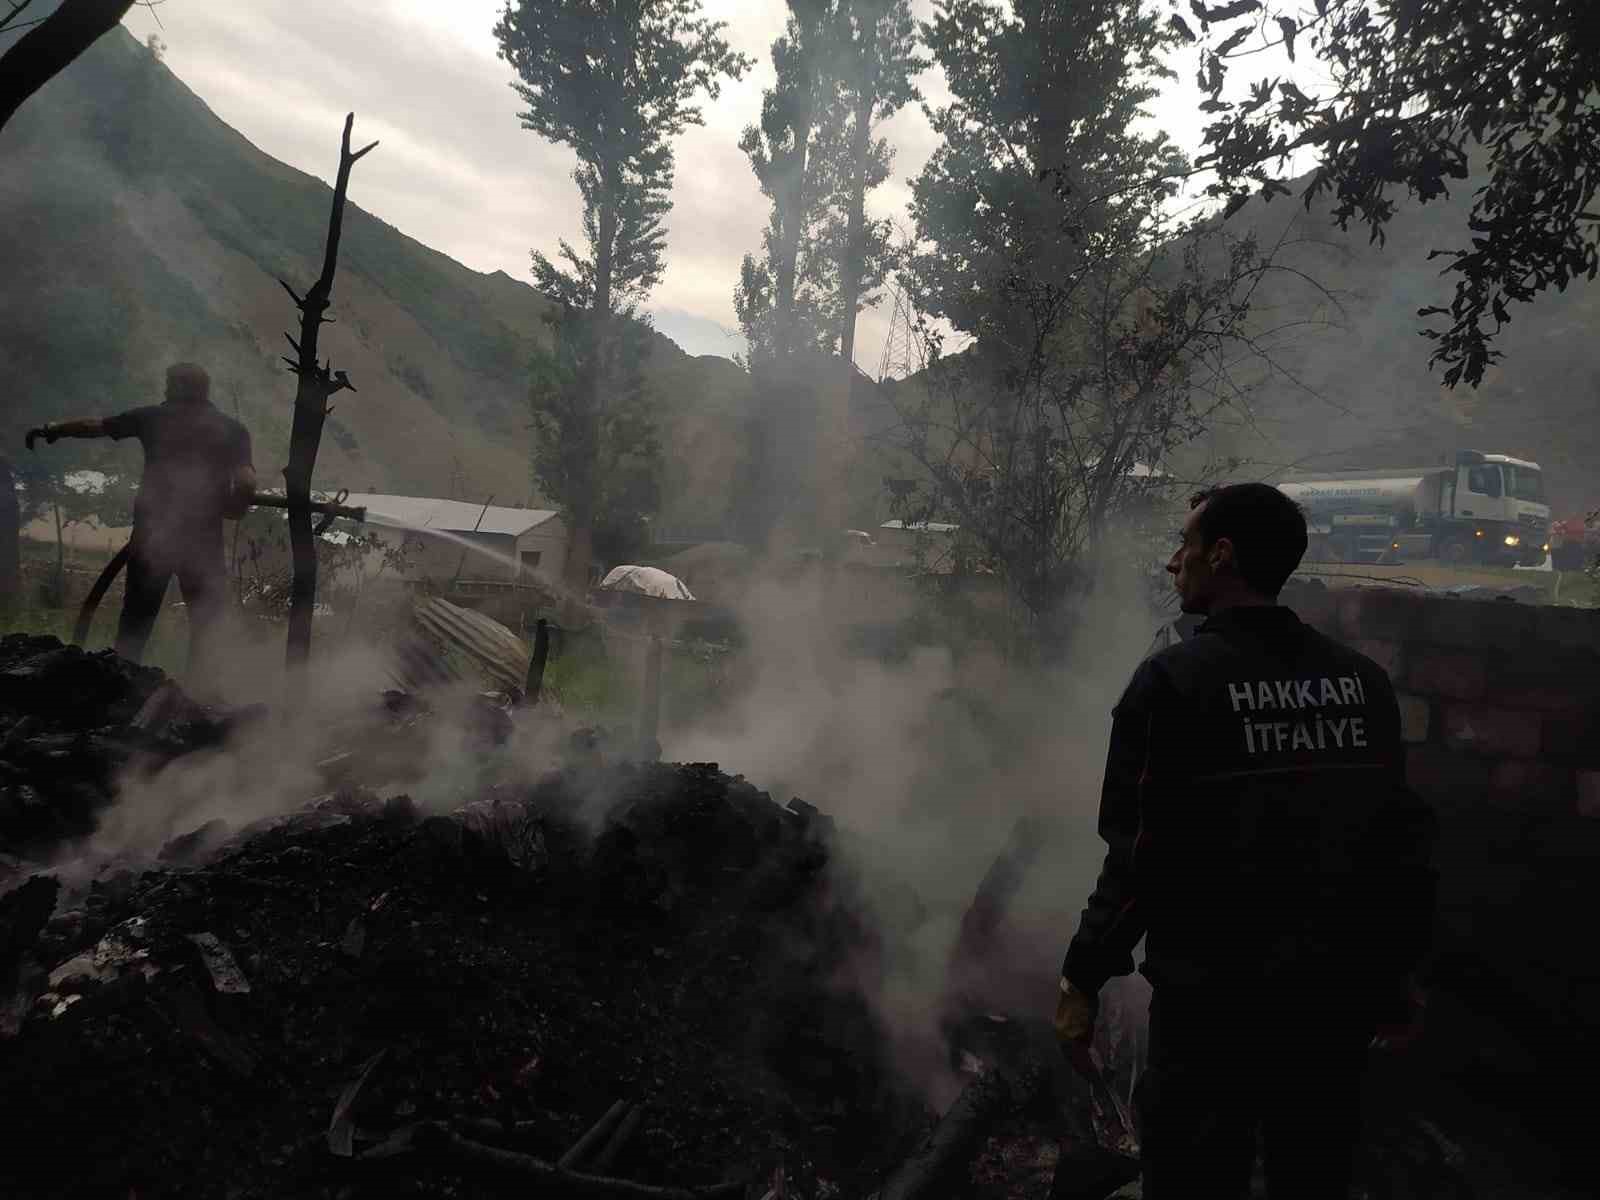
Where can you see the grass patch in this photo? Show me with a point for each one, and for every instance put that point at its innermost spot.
(597, 679)
(601, 680)
(590, 681)
(168, 647)
(1577, 589)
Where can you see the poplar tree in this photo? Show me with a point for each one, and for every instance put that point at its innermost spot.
(1100, 331)
(615, 81)
(877, 64)
(785, 297)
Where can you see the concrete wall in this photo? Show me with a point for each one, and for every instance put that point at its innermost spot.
(550, 541)
(1501, 708)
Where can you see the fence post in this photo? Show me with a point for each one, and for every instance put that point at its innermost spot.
(650, 701)
(541, 655)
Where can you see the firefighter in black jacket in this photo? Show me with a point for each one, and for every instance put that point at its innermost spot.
(1263, 841)
(197, 470)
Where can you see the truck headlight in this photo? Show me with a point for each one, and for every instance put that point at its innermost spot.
(1513, 540)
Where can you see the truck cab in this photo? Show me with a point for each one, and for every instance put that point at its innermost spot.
(1493, 509)
(1482, 508)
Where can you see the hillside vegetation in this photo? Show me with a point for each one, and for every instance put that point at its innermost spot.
(1354, 389)
(139, 229)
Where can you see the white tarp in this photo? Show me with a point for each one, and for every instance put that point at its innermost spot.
(645, 581)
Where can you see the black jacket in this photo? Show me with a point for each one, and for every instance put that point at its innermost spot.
(1259, 825)
(191, 453)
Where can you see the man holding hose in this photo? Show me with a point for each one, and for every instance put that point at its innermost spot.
(197, 471)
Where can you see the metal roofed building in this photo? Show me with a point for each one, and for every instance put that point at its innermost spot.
(898, 542)
(916, 527)
(460, 540)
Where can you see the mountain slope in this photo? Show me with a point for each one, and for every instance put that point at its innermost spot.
(1353, 386)
(1345, 381)
(138, 229)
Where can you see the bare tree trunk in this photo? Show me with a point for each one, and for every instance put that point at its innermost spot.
(61, 558)
(317, 382)
(238, 565)
(855, 236)
(238, 525)
(10, 538)
(46, 49)
(533, 687)
(649, 748)
(835, 432)
(793, 211)
(583, 505)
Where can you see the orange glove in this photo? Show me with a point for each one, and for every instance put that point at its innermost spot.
(1075, 1017)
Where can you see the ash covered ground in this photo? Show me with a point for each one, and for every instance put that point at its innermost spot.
(362, 995)
(664, 935)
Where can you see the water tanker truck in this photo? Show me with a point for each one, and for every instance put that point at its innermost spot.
(1483, 508)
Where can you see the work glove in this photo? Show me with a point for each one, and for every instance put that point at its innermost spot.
(46, 432)
(1076, 1011)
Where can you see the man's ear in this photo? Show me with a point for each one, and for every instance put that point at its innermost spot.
(1221, 554)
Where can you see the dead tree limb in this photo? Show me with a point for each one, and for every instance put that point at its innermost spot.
(533, 685)
(591, 1140)
(936, 1165)
(618, 1142)
(318, 382)
(46, 49)
(442, 1139)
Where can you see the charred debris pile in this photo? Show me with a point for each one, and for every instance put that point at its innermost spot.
(72, 723)
(618, 978)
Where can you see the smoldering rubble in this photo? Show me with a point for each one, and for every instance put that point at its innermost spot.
(612, 977)
(73, 724)
(510, 970)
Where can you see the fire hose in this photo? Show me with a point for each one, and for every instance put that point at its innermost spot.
(328, 509)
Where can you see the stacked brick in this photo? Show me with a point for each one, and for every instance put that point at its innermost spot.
(1500, 701)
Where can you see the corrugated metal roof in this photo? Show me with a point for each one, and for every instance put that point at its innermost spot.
(452, 516)
(449, 644)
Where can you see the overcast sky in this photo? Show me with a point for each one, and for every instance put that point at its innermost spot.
(457, 172)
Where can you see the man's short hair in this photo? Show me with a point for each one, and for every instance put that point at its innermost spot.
(1267, 529)
(188, 381)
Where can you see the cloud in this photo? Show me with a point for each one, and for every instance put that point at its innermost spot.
(695, 334)
(458, 173)
(455, 170)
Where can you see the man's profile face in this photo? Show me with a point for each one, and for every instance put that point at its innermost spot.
(1191, 572)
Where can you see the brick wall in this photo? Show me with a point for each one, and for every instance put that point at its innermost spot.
(1501, 709)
